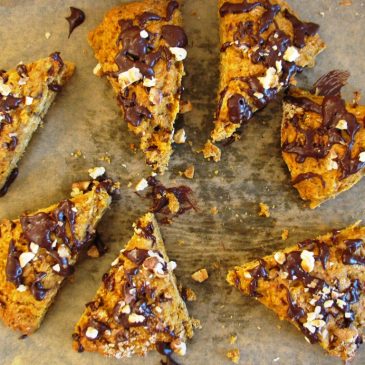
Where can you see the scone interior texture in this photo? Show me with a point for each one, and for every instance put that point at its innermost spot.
(316, 285)
(138, 307)
(39, 251)
(26, 93)
(140, 47)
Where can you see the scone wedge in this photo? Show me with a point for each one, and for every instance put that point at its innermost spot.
(26, 93)
(323, 139)
(39, 250)
(140, 47)
(317, 285)
(263, 45)
(138, 307)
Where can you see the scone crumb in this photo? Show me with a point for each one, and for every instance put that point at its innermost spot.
(185, 107)
(214, 211)
(93, 252)
(189, 172)
(234, 355)
(264, 210)
(211, 151)
(232, 339)
(105, 158)
(200, 275)
(180, 136)
(284, 234)
(189, 294)
(196, 323)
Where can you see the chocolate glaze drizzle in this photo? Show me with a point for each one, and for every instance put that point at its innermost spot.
(76, 18)
(317, 142)
(140, 52)
(11, 178)
(268, 52)
(13, 269)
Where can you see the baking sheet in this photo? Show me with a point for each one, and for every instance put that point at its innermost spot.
(85, 117)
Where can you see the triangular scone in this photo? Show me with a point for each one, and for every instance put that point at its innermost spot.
(138, 307)
(323, 139)
(316, 285)
(140, 47)
(26, 93)
(39, 250)
(263, 46)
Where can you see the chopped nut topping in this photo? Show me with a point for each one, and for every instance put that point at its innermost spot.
(129, 77)
(279, 257)
(270, 80)
(180, 136)
(97, 71)
(264, 210)
(142, 184)
(200, 275)
(143, 33)
(307, 260)
(21, 288)
(179, 53)
(91, 333)
(291, 54)
(63, 251)
(28, 100)
(56, 268)
(34, 247)
(136, 318)
(149, 82)
(5, 90)
(178, 347)
(25, 258)
(362, 156)
(342, 124)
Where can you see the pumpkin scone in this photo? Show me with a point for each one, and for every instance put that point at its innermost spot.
(39, 250)
(26, 93)
(317, 285)
(138, 307)
(263, 46)
(140, 47)
(323, 139)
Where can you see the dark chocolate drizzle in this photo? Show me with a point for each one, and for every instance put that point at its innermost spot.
(349, 257)
(22, 70)
(11, 178)
(137, 255)
(76, 18)
(37, 289)
(174, 35)
(319, 141)
(164, 349)
(14, 271)
(258, 272)
(308, 175)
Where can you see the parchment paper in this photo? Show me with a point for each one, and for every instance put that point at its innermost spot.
(85, 117)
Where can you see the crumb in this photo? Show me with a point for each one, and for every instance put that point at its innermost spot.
(185, 107)
(234, 355)
(96, 172)
(180, 136)
(200, 275)
(180, 242)
(105, 158)
(216, 265)
(356, 100)
(141, 185)
(196, 323)
(97, 71)
(133, 147)
(232, 339)
(189, 172)
(211, 151)
(93, 252)
(173, 205)
(346, 2)
(321, 13)
(264, 210)
(276, 359)
(47, 35)
(214, 211)
(284, 234)
(77, 154)
(190, 295)
(129, 184)
(216, 172)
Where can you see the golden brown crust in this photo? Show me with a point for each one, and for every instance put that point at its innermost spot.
(30, 83)
(239, 61)
(138, 306)
(23, 302)
(315, 285)
(325, 179)
(155, 123)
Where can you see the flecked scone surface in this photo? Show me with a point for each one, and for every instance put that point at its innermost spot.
(25, 299)
(138, 306)
(119, 46)
(316, 285)
(261, 50)
(26, 93)
(323, 151)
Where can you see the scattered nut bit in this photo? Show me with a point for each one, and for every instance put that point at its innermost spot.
(232, 339)
(93, 252)
(180, 136)
(25, 258)
(264, 210)
(129, 77)
(136, 318)
(214, 210)
(96, 172)
(196, 323)
(178, 347)
(21, 288)
(200, 275)
(189, 172)
(47, 35)
(211, 151)
(279, 257)
(97, 71)
(141, 185)
(284, 234)
(234, 355)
